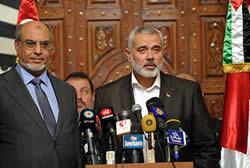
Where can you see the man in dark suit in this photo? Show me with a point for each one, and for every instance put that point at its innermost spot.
(28, 137)
(182, 99)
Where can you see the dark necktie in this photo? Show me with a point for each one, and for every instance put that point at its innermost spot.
(46, 110)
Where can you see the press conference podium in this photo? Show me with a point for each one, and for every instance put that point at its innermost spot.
(145, 165)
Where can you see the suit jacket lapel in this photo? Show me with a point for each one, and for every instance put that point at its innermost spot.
(126, 94)
(58, 92)
(167, 92)
(15, 86)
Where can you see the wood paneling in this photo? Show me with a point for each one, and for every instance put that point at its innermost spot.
(91, 35)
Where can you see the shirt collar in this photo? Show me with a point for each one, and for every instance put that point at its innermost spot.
(27, 77)
(136, 83)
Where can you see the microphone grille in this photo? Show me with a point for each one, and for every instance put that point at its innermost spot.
(136, 107)
(124, 115)
(173, 124)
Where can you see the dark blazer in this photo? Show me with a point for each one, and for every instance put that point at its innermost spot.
(182, 100)
(25, 141)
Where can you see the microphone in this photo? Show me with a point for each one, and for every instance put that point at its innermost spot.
(156, 108)
(124, 126)
(135, 142)
(136, 111)
(131, 142)
(87, 125)
(176, 136)
(108, 121)
(149, 126)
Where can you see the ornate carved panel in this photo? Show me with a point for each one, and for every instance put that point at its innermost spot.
(104, 40)
(212, 45)
(168, 30)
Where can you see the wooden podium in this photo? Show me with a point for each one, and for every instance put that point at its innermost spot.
(145, 165)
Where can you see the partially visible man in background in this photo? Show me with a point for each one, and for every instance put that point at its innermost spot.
(85, 100)
(84, 89)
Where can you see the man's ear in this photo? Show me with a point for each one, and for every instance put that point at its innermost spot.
(17, 45)
(127, 52)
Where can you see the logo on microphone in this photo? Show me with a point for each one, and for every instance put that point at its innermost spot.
(123, 122)
(176, 137)
(88, 114)
(133, 141)
(149, 122)
(159, 111)
(106, 112)
(133, 138)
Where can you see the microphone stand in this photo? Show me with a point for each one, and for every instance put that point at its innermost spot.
(89, 135)
(166, 147)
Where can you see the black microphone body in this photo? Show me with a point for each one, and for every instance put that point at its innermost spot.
(156, 108)
(132, 155)
(108, 121)
(87, 126)
(175, 125)
(136, 128)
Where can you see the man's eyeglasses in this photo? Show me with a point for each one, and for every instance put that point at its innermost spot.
(30, 44)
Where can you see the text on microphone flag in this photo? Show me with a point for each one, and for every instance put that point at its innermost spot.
(106, 112)
(133, 141)
(176, 137)
(133, 138)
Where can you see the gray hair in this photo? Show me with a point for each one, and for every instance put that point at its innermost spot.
(142, 30)
(19, 28)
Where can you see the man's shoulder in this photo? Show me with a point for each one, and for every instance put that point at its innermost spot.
(116, 84)
(10, 74)
(178, 82)
(59, 82)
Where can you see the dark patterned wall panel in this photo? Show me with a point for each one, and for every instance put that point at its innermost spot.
(213, 29)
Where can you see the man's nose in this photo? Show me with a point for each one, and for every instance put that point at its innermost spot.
(38, 49)
(150, 54)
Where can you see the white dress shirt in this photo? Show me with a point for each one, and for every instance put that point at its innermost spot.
(141, 95)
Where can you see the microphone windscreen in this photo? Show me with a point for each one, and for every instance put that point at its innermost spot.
(148, 123)
(173, 124)
(157, 112)
(87, 120)
(107, 117)
(154, 102)
(124, 115)
(136, 108)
